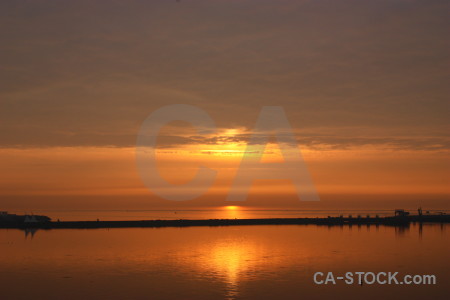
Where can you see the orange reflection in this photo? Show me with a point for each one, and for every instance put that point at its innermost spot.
(154, 259)
(235, 260)
(231, 260)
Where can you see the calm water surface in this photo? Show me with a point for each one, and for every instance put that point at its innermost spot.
(243, 262)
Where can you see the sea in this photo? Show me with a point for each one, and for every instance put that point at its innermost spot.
(228, 262)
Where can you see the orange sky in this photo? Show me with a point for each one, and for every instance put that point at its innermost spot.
(95, 171)
(364, 85)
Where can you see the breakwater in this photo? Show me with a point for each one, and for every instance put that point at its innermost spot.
(337, 221)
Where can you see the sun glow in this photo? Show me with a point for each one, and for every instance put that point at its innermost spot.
(234, 212)
(232, 207)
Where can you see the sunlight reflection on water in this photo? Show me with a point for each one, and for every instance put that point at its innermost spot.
(252, 262)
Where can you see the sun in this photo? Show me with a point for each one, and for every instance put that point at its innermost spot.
(232, 207)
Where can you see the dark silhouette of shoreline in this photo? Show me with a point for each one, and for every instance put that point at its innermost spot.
(330, 221)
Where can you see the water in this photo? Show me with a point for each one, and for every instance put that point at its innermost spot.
(241, 262)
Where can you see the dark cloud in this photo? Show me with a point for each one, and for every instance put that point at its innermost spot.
(87, 73)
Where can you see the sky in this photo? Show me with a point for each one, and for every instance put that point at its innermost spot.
(364, 85)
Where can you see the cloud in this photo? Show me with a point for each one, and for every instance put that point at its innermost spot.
(83, 73)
